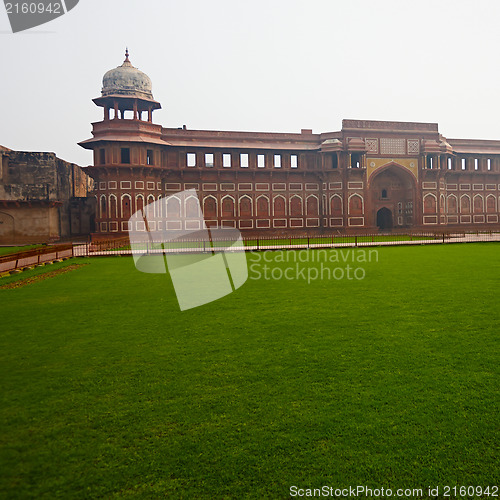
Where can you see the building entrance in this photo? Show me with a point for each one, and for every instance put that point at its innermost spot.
(384, 219)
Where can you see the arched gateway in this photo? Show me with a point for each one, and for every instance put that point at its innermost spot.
(384, 219)
(393, 194)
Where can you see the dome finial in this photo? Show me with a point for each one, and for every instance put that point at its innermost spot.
(126, 55)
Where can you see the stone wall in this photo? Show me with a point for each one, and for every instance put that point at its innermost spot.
(42, 198)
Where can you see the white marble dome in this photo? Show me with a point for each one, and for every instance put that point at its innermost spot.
(126, 80)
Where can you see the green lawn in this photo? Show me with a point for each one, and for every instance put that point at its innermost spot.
(109, 391)
(24, 248)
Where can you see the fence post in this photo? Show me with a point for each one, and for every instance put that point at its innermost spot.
(443, 237)
(308, 242)
(356, 240)
(258, 242)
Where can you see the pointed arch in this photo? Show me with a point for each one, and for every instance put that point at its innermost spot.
(150, 206)
(396, 168)
(227, 206)
(192, 207)
(103, 207)
(491, 204)
(296, 206)
(478, 204)
(139, 202)
(356, 204)
(279, 206)
(245, 206)
(113, 206)
(173, 207)
(452, 205)
(430, 203)
(336, 205)
(465, 204)
(160, 203)
(312, 205)
(263, 206)
(126, 206)
(210, 206)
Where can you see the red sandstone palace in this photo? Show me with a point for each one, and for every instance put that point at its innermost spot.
(371, 175)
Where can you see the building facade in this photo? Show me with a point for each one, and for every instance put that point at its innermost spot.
(369, 176)
(43, 198)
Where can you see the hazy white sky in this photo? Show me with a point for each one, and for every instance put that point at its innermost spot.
(271, 65)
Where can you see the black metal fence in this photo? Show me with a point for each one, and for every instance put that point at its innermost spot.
(122, 246)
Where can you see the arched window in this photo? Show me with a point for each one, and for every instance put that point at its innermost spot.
(478, 205)
(452, 204)
(296, 206)
(336, 206)
(160, 206)
(192, 207)
(126, 207)
(429, 204)
(263, 207)
(356, 205)
(210, 207)
(173, 208)
(312, 206)
(245, 207)
(465, 205)
(384, 193)
(227, 207)
(150, 208)
(279, 207)
(491, 204)
(112, 206)
(139, 201)
(104, 213)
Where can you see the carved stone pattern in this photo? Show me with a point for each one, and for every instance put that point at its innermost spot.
(371, 145)
(413, 146)
(392, 146)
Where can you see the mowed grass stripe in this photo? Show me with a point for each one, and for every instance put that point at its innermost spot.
(108, 390)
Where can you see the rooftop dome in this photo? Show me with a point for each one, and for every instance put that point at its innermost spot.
(125, 80)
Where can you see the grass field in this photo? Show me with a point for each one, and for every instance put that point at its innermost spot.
(24, 248)
(109, 391)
